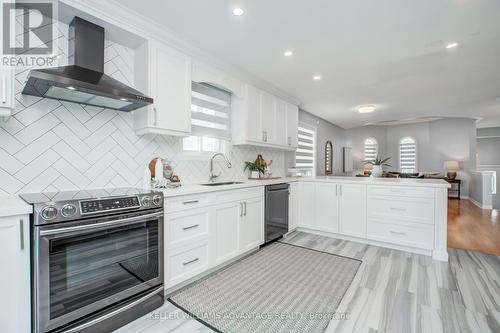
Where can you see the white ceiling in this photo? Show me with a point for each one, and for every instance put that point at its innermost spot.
(388, 52)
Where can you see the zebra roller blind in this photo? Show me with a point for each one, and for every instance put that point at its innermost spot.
(407, 155)
(210, 111)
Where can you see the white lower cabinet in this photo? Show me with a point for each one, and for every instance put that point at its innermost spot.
(206, 230)
(293, 207)
(251, 231)
(352, 209)
(15, 286)
(226, 231)
(326, 207)
(401, 217)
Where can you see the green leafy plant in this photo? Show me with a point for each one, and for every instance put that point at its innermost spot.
(252, 166)
(378, 161)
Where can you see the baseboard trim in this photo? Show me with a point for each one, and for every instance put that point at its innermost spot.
(480, 205)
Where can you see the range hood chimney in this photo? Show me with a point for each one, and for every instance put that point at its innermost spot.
(83, 80)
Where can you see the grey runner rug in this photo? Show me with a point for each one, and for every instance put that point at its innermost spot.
(281, 288)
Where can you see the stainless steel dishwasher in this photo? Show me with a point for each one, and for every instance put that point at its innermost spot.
(276, 211)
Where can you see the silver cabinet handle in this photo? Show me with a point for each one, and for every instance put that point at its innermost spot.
(4, 89)
(289, 140)
(241, 209)
(190, 202)
(340, 190)
(155, 114)
(264, 136)
(191, 227)
(398, 233)
(190, 261)
(398, 209)
(245, 205)
(21, 233)
(336, 190)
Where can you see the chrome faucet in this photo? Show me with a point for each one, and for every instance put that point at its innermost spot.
(212, 175)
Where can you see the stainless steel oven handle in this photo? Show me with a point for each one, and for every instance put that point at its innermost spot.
(99, 225)
(114, 313)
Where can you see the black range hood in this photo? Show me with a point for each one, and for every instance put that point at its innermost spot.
(84, 81)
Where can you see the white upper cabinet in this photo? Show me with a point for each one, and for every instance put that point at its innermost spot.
(7, 101)
(165, 75)
(261, 119)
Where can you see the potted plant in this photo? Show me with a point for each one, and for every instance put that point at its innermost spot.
(378, 164)
(255, 168)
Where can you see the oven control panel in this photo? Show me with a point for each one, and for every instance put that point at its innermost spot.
(111, 204)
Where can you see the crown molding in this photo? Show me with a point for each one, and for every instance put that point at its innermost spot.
(114, 13)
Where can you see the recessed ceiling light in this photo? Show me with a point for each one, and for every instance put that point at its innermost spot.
(317, 77)
(124, 99)
(238, 12)
(288, 53)
(71, 88)
(451, 45)
(366, 109)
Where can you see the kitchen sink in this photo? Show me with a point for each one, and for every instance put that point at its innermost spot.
(222, 183)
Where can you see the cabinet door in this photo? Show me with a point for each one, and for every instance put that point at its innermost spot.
(183, 227)
(352, 210)
(227, 221)
(306, 204)
(6, 91)
(15, 280)
(252, 224)
(253, 127)
(292, 125)
(293, 217)
(327, 207)
(267, 117)
(280, 122)
(171, 89)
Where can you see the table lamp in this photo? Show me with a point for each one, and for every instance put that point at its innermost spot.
(452, 167)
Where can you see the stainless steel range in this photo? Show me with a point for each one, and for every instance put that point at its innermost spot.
(97, 258)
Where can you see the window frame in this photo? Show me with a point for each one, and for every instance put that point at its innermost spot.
(364, 148)
(309, 128)
(416, 153)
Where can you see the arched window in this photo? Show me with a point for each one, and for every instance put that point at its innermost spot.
(328, 158)
(407, 155)
(371, 149)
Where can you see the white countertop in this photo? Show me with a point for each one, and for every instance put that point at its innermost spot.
(13, 205)
(420, 182)
(198, 188)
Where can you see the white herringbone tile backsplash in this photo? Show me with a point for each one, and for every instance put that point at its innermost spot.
(47, 145)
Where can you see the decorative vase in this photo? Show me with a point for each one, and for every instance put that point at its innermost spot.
(254, 174)
(377, 171)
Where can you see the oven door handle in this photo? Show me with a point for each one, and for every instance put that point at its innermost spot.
(126, 221)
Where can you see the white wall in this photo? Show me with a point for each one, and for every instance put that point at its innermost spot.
(437, 141)
(324, 131)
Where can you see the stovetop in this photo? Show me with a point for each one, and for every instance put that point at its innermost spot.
(61, 196)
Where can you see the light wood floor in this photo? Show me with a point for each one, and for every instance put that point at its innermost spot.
(393, 291)
(473, 228)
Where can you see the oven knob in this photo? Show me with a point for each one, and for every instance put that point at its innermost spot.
(146, 201)
(68, 210)
(49, 213)
(157, 200)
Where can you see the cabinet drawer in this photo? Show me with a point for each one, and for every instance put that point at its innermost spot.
(419, 210)
(187, 202)
(402, 191)
(238, 195)
(186, 225)
(187, 262)
(414, 235)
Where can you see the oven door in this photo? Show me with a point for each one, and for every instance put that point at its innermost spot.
(83, 267)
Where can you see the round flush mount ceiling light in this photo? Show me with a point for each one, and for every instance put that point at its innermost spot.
(317, 77)
(71, 88)
(123, 99)
(288, 53)
(238, 12)
(366, 109)
(452, 45)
